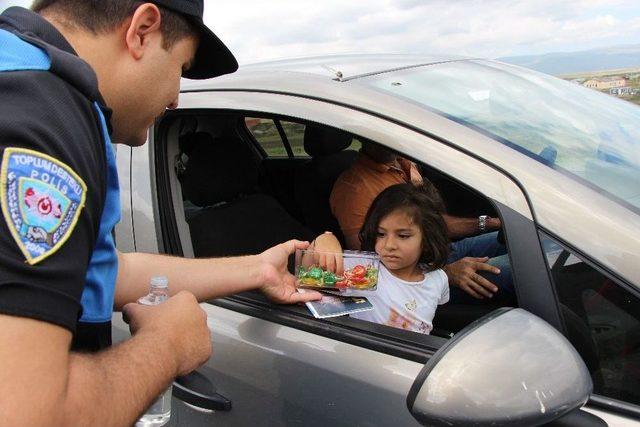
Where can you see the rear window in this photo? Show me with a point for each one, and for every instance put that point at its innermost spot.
(266, 134)
(295, 137)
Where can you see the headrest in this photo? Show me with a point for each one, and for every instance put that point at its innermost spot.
(322, 140)
(218, 169)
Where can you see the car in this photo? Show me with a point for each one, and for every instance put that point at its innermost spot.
(248, 160)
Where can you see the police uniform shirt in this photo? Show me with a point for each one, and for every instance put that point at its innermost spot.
(58, 184)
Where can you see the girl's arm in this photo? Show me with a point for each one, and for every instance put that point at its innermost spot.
(331, 259)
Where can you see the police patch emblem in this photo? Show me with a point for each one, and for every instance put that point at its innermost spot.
(41, 201)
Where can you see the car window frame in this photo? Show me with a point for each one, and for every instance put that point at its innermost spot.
(338, 331)
(399, 343)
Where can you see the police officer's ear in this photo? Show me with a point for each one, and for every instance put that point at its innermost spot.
(141, 28)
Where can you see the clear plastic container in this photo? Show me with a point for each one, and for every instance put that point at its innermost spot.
(360, 270)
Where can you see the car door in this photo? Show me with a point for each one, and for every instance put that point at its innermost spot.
(279, 365)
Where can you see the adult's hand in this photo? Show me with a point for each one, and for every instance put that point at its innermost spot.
(464, 274)
(493, 224)
(181, 321)
(278, 284)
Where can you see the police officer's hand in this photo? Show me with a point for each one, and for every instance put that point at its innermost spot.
(277, 283)
(180, 322)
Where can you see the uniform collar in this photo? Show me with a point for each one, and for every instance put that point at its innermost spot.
(31, 24)
(65, 62)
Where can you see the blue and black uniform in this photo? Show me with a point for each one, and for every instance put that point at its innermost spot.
(58, 184)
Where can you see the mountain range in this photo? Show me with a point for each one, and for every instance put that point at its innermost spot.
(565, 63)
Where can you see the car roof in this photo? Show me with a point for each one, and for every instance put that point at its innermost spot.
(330, 67)
(345, 67)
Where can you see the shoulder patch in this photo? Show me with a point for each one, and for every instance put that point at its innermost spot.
(41, 201)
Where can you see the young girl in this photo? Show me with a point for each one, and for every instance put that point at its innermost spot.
(405, 228)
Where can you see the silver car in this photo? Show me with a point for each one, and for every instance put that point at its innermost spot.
(249, 159)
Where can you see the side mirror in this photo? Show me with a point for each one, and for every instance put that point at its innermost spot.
(509, 368)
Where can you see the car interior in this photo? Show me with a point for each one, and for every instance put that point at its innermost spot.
(241, 184)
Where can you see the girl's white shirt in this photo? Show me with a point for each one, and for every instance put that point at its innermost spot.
(406, 305)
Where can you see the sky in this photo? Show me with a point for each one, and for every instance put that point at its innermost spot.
(258, 30)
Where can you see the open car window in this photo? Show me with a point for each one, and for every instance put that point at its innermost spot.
(231, 208)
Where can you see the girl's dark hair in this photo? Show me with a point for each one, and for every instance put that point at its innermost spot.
(102, 16)
(424, 205)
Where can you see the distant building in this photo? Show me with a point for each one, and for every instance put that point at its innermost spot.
(623, 91)
(605, 82)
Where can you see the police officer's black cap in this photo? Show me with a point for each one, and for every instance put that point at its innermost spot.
(213, 58)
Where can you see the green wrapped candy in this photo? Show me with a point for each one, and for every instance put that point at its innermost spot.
(315, 273)
(302, 272)
(329, 279)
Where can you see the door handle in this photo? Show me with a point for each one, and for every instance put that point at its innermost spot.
(196, 389)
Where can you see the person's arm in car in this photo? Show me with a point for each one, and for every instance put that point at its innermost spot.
(462, 227)
(42, 383)
(212, 278)
(464, 274)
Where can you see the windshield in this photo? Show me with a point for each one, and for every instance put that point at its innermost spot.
(591, 136)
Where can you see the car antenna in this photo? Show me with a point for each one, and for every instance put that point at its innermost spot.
(338, 73)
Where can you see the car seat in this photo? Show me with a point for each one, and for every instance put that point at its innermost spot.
(314, 179)
(220, 177)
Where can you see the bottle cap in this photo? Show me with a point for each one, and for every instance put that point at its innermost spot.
(159, 282)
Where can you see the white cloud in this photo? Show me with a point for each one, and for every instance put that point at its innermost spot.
(258, 30)
(284, 28)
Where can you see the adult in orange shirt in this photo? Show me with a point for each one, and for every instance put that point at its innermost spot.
(377, 168)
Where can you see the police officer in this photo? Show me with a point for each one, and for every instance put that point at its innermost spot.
(76, 75)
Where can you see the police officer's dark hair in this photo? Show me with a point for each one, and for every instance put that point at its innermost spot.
(425, 206)
(102, 16)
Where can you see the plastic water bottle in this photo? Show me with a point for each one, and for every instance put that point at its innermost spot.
(159, 413)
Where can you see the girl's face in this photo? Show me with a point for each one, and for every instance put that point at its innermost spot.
(399, 241)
